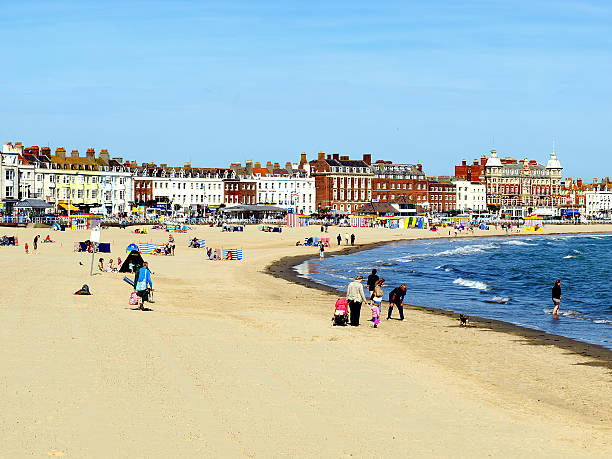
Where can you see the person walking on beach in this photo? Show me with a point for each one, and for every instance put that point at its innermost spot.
(144, 284)
(371, 282)
(353, 239)
(556, 297)
(171, 243)
(396, 297)
(35, 245)
(321, 251)
(355, 297)
(339, 239)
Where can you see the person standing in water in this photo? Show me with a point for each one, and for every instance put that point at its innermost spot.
(556, 297)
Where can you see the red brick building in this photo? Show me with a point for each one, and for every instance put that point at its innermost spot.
(393, 182)
(143, 190)
(342, 184)
(442, 194)
(474, 172)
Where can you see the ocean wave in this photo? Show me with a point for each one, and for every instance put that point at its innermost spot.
(499, 299)
(471, 283)
(569, 256)
(517, 242)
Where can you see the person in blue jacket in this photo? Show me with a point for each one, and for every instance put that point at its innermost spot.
(144, 284)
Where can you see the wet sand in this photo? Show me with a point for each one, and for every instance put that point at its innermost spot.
(234, 362)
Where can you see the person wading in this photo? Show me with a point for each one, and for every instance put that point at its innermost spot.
(355, 297)
(556, 297)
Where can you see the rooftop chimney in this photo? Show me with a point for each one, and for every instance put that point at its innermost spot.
(188, 165)
(74, 153)
(289, 167)
(475, 162)
(34, 150)
(303, 159)
(91, 153)
(60, 152)
(45, 151)
(336, 156)
(464, 162)
(321, 155)
(367, 158)
(344, 158)
(579, 183)
(104, 156)
(257, 165)
(420, 167)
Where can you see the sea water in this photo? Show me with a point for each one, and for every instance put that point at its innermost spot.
(503, 278)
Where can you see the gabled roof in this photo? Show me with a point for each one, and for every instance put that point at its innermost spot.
(377, 208)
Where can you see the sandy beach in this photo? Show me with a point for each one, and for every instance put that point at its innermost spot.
(235, 362)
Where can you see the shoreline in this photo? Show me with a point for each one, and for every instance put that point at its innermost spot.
(284, 269)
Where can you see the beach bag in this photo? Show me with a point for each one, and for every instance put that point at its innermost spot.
(133, 299)
(141, 285)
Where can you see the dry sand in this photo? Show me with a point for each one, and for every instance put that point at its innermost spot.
(234, 362)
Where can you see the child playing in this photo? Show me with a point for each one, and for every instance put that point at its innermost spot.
(26, 248)
(375, 314)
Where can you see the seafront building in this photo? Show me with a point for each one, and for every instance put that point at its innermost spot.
(442, 195)
(523, 187)
(470, 196)
(342, 184)
(331, 183)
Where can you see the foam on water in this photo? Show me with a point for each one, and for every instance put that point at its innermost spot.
(501, 278)
(471, 283)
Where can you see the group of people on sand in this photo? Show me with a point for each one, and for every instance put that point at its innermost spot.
(346, 239)
(356, 297)
(111, 267)
(35, 243)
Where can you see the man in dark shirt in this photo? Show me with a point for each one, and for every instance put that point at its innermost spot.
(396, 297)
(556, 297)
(372, 278)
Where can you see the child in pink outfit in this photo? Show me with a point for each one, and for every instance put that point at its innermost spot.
(375, 314)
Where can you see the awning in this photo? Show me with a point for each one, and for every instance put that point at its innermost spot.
(32, 204)
(65, 207)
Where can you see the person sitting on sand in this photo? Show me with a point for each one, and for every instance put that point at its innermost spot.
(101, 265)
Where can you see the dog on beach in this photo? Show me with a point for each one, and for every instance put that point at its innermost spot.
(463, 320)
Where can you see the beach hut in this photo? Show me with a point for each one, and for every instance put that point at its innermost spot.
(85, 221)
(533, 223)
(360, 221)
(296, 220)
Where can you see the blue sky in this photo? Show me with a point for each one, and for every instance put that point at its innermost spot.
(214, 82)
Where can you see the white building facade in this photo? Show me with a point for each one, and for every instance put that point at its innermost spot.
(470, 196)
(292, 192)
(598, 204)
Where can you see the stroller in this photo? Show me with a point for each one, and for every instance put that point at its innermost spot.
(341, 312)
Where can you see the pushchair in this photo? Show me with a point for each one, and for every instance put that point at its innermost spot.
(341, 312)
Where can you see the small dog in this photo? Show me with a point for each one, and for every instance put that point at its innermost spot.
(464, 320)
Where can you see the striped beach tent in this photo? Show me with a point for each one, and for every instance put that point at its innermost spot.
(232, 254)
(146, 248)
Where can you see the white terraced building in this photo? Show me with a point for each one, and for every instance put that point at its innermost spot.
(294, 192)
(598, 204)
(470, 195)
